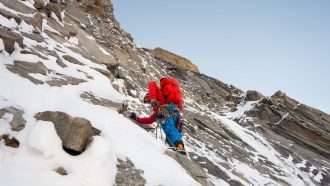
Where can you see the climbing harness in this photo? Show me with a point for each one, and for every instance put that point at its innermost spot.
(165, 112)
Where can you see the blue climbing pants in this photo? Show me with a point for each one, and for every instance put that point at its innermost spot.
(172, 133)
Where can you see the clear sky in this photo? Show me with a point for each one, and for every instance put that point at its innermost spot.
(264, 45)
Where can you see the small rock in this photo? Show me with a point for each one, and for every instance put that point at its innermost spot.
(61, 171)
(10, 142)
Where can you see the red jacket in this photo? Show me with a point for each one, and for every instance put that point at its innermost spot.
(154, 94)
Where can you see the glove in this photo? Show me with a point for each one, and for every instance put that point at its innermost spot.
(133, 116)
(146, 98)
(154, 103)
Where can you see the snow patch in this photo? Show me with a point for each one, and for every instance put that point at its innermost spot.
(90, 37)
(318, 177)
(74, 40)
(43, 137)
(104, 51)
(241, 108)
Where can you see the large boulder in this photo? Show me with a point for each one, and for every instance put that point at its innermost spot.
(74, 132)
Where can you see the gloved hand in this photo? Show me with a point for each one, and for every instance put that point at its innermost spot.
(154, 103)
(133, 116)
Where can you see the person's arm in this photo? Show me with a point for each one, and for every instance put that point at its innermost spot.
(148, 120)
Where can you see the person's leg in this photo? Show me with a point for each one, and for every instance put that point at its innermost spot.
(171, 132)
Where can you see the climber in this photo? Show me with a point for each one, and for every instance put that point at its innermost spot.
(167, 104)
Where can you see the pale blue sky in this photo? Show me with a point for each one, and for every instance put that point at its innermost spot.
(264, 45)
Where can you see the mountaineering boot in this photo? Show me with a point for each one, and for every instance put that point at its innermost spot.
(180, 148)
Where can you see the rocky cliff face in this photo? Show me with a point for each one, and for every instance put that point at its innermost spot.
(240, 138)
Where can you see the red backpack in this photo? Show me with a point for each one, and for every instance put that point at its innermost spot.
(169, 93)
(170, 89)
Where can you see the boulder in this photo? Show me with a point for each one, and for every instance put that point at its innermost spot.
(252, 95)
(177, 60)
(74, 132)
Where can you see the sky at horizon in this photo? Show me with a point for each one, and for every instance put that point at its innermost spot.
(253, 45)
